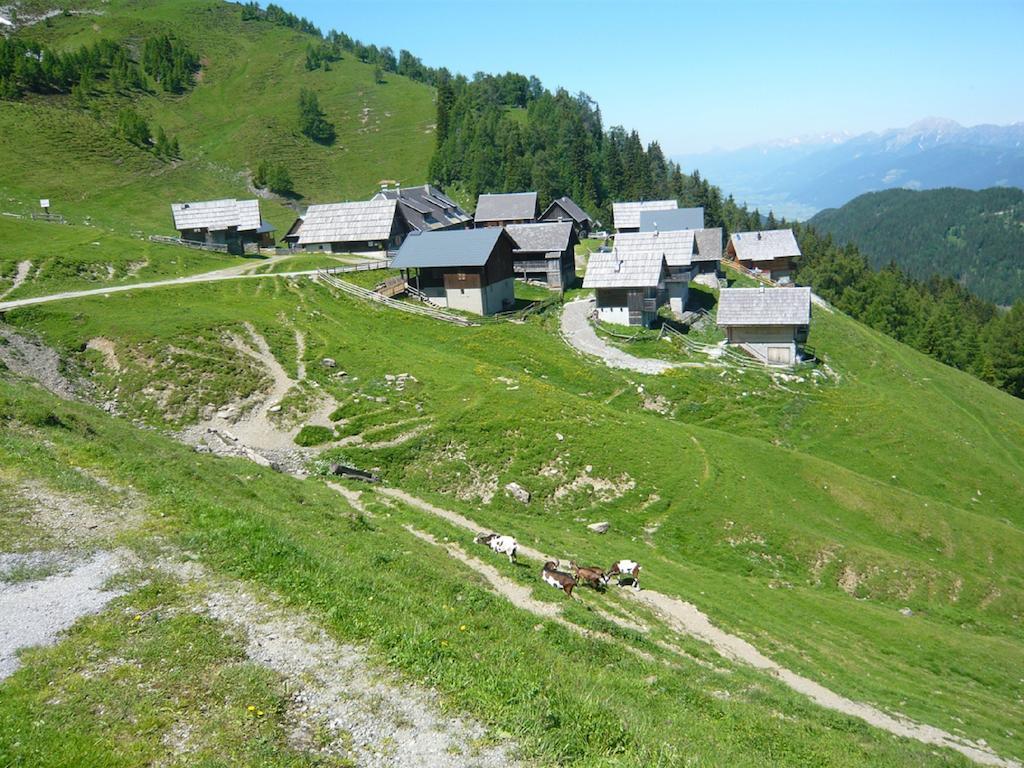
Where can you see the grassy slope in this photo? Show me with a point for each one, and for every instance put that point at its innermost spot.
(243, 110)
(765, 500)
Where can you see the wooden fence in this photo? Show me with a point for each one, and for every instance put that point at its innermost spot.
(366, 266)
(403, 306)
(216, 247)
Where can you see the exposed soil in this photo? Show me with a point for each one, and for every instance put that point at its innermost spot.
(31, 358)
(20, 276)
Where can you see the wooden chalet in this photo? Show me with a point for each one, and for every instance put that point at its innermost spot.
(466, 269)
(627, 292)
(426, 208)
(626, 216)
(233, 223)
(545, 251)
(359, 227)
(504, 209)
(770, 252)
(678, 250)
(767, 323)
(565, 209)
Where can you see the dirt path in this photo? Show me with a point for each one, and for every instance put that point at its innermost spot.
(36, 612)
(685, 618)
(370, 716)
(232, 273)
(579, 334)
(24, 268)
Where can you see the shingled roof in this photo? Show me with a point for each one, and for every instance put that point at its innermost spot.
(709, 244)
(448, 248)
(217, 215)
(676, 247)
(610, 270)
(672, 219)
(764, 246)
(627, 215)
(545, 237)
(512, 206)
(348, 222)
(568, 205)
(426, 207)
(764, 306)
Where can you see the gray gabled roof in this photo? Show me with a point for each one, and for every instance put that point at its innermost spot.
(764, 306)
(544, 237)
(568, 205)
(676, 247)
(348, 222)
(627, 215)
(764, 246)
(426, 207)
(448, 248)
(512, 206)
(676, 218)
(217, 215)
(610, 270)
(709, 244)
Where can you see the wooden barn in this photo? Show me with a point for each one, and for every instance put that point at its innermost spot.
(707, 257)
(426, 208)
(565, 209)
(626, 216)
(510, 208)
(467, 269)
(770, 251)
(627, 292)
(233, 223)
(677, 248)
(545, 251)
(371, 226)
(767, 323)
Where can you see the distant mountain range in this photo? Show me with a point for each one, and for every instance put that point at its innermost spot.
(799, 177)
(977, 238)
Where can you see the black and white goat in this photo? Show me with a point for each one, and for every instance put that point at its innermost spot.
(556, 578)
(625, 568)
(503, 545)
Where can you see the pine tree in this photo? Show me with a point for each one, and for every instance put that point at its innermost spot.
(312, 121)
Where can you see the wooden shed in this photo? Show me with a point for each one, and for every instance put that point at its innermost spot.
(370, 226)
(232, 223)
(627, 292)
(626, 215)
(566, 209)
(467, 269)
(770, 251)
(426, 208)
(545, 251)
(767, 323)
(510, 208)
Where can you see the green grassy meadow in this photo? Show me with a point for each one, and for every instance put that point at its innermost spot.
(802, 517)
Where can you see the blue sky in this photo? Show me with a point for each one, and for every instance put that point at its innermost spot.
(700, 75)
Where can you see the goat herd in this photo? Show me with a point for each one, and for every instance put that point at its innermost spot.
(594, 577)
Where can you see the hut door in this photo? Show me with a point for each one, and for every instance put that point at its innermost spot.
(635, 305)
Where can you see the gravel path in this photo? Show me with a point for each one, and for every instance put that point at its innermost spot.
(24, 267)
(34, 613)
(580, 335)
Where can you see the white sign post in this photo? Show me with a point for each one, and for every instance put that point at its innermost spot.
(45, 204)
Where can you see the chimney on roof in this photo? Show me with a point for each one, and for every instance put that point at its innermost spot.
(398, 188)
(758, 235)
(760, 288)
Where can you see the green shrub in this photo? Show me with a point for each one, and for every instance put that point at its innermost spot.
(311, 435)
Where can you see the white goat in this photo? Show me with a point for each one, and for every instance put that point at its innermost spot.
(503, 545)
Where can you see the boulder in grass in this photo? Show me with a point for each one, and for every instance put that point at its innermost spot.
(329, 362)
(517, 492)
(601, 527)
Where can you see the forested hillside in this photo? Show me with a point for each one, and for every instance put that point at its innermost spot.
(976, 238)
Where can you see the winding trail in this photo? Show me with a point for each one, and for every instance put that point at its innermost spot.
(580, 335)
(239, 272)
(686, 619)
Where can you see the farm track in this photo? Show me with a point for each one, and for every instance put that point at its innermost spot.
(578, 333)
(684, 618)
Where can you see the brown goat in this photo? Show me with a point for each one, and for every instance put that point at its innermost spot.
(557, 579)
(592, 576)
